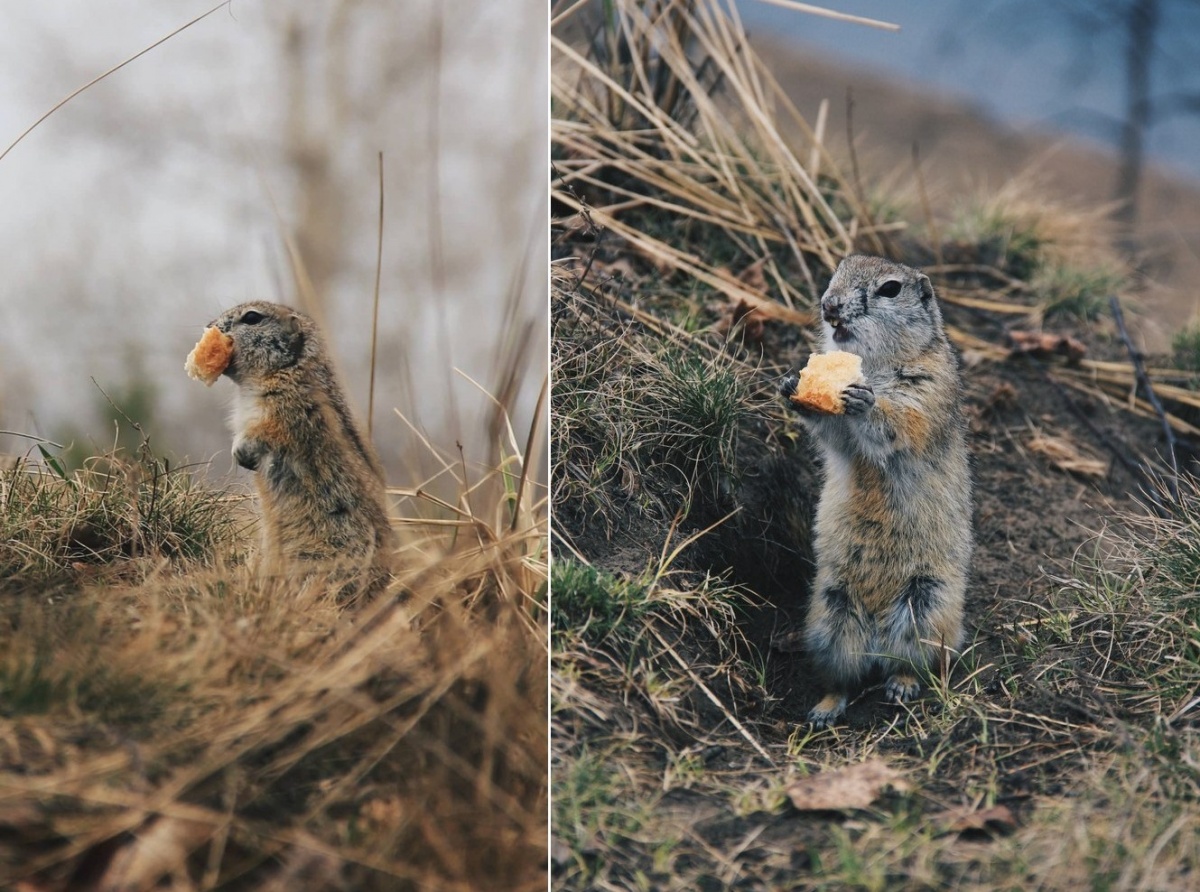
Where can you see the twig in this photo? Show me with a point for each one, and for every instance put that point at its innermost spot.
(1139, 366)
(375, 311)
(713, 698)
(926, 208)
(858, 189)
(1136, 469)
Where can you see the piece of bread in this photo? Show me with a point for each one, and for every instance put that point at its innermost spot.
(210, 356)
(823, 380)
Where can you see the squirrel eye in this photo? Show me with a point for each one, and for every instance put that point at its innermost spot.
(251, 317)
(889, 288)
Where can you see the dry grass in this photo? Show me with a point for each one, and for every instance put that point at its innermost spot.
(165, 713)
(171, 719)
(1066, 759)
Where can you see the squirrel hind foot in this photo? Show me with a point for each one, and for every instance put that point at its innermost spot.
(830, 708)
(901, 688)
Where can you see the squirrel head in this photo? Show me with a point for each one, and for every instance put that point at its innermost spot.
(877, 308)
(267, 337)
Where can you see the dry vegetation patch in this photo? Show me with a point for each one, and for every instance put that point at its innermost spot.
(1059, 750)
(166, 716)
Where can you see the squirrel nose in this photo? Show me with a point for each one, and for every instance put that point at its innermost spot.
(830, 311)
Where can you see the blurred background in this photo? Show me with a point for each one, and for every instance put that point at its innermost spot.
(1091, 101)
(240, 157)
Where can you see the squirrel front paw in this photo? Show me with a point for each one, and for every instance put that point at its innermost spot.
(858, 398)
(788, 385)
(248, 453)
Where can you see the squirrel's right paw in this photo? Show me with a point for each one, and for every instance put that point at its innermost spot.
(248, 453)
(788, 385)
(858, 398)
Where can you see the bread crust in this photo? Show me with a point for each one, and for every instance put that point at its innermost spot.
(210, 357)
(824, 378)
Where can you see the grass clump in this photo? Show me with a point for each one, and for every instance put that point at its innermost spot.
(1185, 346)
(112, 509)
(591, 602)
(641, 423)
(1051, 253)
(1073, 292)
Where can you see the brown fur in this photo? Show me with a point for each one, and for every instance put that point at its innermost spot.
(319, 482)
(892, 536)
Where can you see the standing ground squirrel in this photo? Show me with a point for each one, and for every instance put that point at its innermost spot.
(893, 531)
(319, 481)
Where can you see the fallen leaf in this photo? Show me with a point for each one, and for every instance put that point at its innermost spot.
(1066, 456)
(854, 786)
(1041, 344)
(789, 642)
(998, 818)
(750, 318)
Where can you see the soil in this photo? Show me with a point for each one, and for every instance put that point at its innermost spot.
(1031, 519)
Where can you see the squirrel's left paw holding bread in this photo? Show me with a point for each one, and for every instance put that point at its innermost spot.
(858, 399)
(826, 384)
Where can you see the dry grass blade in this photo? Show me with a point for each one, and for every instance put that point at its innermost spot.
(731, 169)
(112, 70)
(826, 13)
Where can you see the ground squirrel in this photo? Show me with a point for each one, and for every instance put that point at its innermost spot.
(893, 531)
(319, 481)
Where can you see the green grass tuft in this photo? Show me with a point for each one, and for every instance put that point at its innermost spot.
(1072, 292)
(112, 509)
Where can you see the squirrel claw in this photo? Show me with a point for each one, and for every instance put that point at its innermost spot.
(901, 689)
(824, 713)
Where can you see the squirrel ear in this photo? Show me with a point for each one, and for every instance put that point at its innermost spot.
(926, 288)
(294, 332)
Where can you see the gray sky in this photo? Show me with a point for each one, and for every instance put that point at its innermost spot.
(156, 199)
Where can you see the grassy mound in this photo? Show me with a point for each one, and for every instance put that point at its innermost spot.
(167, 716)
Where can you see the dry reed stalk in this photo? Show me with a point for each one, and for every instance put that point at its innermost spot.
(732, 168)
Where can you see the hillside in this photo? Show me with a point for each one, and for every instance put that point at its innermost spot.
(965, 152)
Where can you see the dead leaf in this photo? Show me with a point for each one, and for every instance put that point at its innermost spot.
(752, 276)
(160, 848)
(854, 786)
(1043, 344)
(750, 318)
(1066, 456)
(997, 819)
(789, 642)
